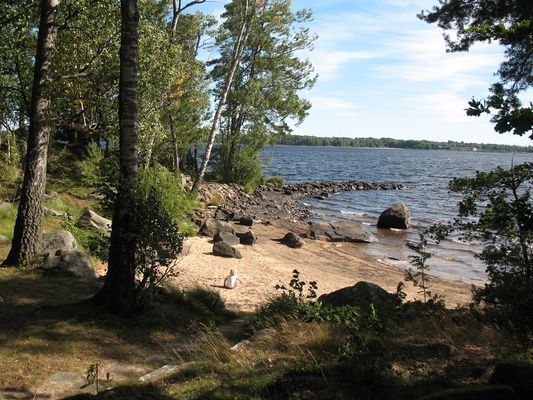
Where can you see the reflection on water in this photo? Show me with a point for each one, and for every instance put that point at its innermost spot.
(426, 174)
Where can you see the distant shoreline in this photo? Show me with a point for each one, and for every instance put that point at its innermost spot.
(398, 144)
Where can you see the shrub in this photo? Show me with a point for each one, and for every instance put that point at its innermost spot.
(11, 158)
(158, 241)
(273, 179)
(497, 211)
(176, 202)
(91, 165)
(206, 300)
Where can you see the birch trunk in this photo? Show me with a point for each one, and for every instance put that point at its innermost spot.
(239, 47)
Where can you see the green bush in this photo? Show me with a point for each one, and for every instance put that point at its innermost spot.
(11, 160)
(206, 300)
(93, 242)
(273, 179)
(91, 165)
(176, 202)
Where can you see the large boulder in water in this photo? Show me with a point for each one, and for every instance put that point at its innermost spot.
(362, 294)
(343, 231)
(398, 216)
(211, 227)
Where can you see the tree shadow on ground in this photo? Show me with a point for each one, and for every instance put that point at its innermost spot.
(49, 324)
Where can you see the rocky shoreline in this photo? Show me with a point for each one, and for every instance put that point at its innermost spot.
(275, 201)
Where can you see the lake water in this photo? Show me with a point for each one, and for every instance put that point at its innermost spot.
(426, 174)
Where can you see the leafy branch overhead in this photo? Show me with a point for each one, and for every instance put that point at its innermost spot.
(509, 24)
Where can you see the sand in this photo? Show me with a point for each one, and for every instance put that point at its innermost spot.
(268, 263)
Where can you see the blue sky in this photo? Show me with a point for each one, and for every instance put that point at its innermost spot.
(384, 73)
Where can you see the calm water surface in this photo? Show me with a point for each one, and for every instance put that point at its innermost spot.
(426, 174)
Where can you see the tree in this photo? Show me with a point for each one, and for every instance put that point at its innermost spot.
(264, 95)
(237, 49)
(508, 23)
(118, 292)
(27, 233)
(497, 211)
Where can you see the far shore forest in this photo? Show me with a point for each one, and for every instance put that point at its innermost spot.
(75, 74)
(391, 143)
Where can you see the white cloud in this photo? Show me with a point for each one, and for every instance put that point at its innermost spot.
(335, 105)
(329, 63)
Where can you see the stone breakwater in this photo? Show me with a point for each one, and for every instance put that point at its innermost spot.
(275, 201)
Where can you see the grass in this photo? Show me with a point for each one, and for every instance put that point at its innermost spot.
(47, 325)
(299, 360)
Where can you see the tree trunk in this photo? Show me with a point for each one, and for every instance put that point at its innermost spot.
(27, 234)
(118, 293)
(239, 48)
(175, 151)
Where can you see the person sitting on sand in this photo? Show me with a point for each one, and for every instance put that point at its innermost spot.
(231, 280)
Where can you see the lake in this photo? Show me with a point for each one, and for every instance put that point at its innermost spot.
(425, 173)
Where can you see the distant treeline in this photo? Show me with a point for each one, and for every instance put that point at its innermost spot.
(297, 140)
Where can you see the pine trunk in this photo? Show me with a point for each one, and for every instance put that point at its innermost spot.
(27, 234)
(118, 293)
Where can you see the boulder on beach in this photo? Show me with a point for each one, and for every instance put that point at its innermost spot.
(223, 249)
(211, 227)
(343, 231)
(226, 237)
(247, 238)
(292, 240)
(246, 220)
(362, 294)
(398, 216)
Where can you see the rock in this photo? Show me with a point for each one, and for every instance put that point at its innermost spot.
(60, 240)
(69, 263)
(344, 231)
(67, 380)
(482, 392)
(166, 371)
(223, 249)
(212, 226)
(361, 294)
(240, 345)
(49, 195)
(5, 206)
(517, 375)
(226, 237)
(246, 220)
(4, 239)
(186, 181)
(398, 216)
(292, 240)
(55, 213)
(90, 219)
(247, 238)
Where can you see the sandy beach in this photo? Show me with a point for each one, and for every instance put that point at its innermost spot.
(268, 263)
